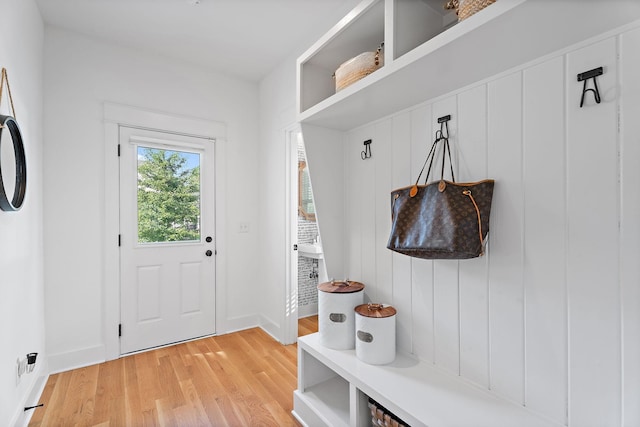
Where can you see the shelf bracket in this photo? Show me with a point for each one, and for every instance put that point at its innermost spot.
(584, 77)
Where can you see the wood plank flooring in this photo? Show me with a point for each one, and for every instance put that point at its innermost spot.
(307, 325)
(241, 379)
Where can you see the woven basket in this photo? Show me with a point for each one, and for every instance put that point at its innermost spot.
(380, 417)
(358, 67)
(466, 8)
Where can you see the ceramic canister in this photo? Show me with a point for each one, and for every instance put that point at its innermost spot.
(336, 318)
(375, 333)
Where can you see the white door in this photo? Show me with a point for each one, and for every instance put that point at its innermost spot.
(167, 246)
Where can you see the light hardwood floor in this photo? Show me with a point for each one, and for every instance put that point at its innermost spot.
(241, 379)
(307, 325)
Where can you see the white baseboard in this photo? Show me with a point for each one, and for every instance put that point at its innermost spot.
(76, 359)
(297, 417)
(271, 328)
(237, 324)
(21, 418)
(92, 355)
(307, 310)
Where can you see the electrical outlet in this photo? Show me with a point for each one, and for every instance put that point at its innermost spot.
(243, 227)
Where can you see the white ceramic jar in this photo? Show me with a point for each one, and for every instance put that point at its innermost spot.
(375, 333)
(336, 318)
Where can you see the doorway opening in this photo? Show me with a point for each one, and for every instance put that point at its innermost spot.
(309, 258)
(167, 242)
(117, 117)
(306, 263)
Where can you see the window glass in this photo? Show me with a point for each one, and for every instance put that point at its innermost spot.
(168, 196)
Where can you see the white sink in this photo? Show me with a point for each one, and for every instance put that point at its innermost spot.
(310, 250)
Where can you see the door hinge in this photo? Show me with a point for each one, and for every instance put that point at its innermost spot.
(118, 150)
(120, 330)
(119, 240)
(295, 247)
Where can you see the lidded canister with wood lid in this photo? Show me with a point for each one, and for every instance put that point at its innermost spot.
(375, 333)
(336, 318)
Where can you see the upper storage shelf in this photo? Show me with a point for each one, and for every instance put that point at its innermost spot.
(428, 54)
(363, 30)
(360, 31)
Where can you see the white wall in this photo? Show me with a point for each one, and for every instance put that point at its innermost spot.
(22, 328)
(81, 74)
(277, 98)
(277, 115)
(549, 318)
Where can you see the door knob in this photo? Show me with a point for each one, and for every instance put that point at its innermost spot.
(208, 253)
(209, 239)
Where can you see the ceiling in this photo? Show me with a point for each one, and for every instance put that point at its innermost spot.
(244, 38)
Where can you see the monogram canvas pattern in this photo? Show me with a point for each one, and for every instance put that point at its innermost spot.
(436, 224)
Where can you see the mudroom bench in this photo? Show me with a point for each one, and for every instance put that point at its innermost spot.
(334, 388)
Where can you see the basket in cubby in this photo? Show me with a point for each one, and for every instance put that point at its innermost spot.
(358, 67)
(466, 8)
(381, 417)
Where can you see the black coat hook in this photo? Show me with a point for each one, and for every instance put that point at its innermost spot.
(367, 150)
(584, 77)
(444, 125)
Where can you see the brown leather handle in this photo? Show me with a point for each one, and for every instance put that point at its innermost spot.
(446, 152)
(467, 192)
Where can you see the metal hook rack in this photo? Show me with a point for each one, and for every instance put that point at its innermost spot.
(444, 125)
(584, 77)
(366, 154)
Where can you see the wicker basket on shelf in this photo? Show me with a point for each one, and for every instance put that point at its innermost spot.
(358, 67)
(381, 417)
(466, 8)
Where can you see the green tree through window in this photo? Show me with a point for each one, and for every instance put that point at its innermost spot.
(168, 196)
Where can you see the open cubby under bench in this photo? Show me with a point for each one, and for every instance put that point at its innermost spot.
(334, 387)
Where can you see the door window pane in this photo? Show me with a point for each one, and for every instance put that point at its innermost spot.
(168, 196)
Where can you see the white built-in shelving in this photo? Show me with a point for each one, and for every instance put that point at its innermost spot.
(426, 55)
(334, 387)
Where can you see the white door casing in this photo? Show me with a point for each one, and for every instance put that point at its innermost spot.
(290, 320)
(167, 289)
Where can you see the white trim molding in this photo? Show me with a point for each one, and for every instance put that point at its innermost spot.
(125, 115)
(115, 116)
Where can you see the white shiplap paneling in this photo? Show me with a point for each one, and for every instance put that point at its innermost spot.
(542, 318)
(445, 272)
(382, 183)
(354, 197)
(421, 270)
(506, 328)
(592, 257)
(367, 205)
(544, 238)
(474, 285)
(630, 225)
(401, 170)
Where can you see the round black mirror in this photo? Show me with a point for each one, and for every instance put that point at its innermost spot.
(13, 165)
